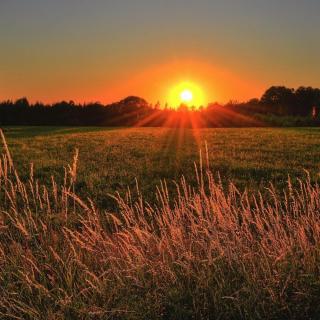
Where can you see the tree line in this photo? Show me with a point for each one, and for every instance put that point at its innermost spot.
(301, 105)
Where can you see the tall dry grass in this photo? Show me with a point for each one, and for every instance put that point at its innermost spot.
(209, 253)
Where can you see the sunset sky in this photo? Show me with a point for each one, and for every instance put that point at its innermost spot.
(105, 50)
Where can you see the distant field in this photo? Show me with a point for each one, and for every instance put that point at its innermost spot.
(203, 252)
(111, 159)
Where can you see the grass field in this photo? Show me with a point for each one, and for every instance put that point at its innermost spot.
(111, 159)
(207, 250)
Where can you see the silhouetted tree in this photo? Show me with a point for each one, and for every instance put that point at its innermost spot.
(280, 99)
(22, 103)
(305, 101)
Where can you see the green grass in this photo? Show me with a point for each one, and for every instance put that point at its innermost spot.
(111, 159)
(202, 251)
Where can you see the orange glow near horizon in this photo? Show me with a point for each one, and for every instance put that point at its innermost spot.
(187, 93)
(162, 82)
(166, 82)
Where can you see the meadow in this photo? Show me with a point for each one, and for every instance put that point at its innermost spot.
(113, 159)
(112, 236)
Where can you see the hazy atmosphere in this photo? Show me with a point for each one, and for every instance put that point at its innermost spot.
(105, 50)
(159, 160)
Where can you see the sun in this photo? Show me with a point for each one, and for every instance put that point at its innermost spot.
(186, 96)
(187, 93)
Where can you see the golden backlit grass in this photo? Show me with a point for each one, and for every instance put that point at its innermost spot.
(111, 158)
(211, 252)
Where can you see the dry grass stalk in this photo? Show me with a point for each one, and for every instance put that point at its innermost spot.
(209, 253)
